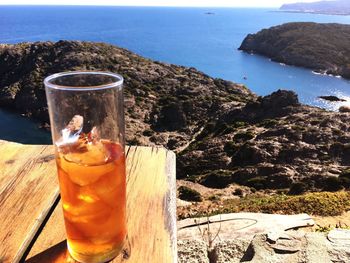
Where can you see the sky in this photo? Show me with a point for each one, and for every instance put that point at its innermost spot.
(212, 3)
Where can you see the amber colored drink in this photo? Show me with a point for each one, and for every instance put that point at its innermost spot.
(87, 122)
(92, 183)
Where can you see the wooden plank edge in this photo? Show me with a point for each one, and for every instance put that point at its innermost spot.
(170, 201)
(36, 229)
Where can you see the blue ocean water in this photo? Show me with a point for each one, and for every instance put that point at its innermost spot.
(14, 127)
(185, 36)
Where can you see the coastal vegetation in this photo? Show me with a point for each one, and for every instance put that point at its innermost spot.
(278, 154)
(316, 204)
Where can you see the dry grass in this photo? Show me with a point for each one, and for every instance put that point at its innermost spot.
(320, 204)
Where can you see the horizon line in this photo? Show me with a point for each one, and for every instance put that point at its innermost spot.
(109, 5)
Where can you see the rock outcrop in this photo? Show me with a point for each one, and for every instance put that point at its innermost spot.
(324, 48)
(224, 240)
(272, 142)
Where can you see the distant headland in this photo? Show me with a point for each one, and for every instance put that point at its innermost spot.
(337, 7)
(324, 48)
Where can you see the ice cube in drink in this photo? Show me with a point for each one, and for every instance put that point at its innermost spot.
(92, 183)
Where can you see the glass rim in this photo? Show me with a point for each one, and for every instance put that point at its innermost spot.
(48, 79)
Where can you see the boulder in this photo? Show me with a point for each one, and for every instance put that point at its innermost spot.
(249, 154)
(280, 99)
(344, 109)
(192, 251)
(230, 251)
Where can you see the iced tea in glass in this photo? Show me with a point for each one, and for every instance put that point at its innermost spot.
(87, 122)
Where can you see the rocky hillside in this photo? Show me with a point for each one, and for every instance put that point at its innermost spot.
(272, 142)
(159, 98)
(222, 132)
(324, 48)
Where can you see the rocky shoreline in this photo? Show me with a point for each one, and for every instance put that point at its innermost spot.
(324, 48)
(223, 134)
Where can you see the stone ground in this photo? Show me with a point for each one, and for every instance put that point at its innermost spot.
(256, 243)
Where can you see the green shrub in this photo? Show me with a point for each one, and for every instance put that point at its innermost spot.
(208, 129)
(253, 190)
(345, 173)
(188, 194)
(134, 141)
(138, 100)
(239, 124)
(323, 204)
(148, 132)
(298, 128)
(258, 182)
(217, 179)
(297, 188)
(268, 123)
(315, 122)
(345, 182)
(243, 136)
(168, 99)
(238, 192)
(213, 198)
(337, 131)
(332, 184)
(224, 128)
(230, 148)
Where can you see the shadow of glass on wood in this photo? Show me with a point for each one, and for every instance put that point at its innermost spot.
(55, 254)
(59, 254)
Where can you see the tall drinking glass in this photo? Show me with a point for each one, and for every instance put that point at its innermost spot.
(87, 124)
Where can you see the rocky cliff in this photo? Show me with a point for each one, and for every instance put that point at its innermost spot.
(221, 131)
(324, 48)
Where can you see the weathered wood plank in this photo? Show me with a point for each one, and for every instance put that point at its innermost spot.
(28, 188)
(50, 236)
(151, 213)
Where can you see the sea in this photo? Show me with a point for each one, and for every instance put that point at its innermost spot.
(204, 38)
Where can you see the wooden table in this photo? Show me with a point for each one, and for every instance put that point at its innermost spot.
(32, 228)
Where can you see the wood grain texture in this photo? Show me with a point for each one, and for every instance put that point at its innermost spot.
(151, 213)
(50, 236)
(28, 188)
